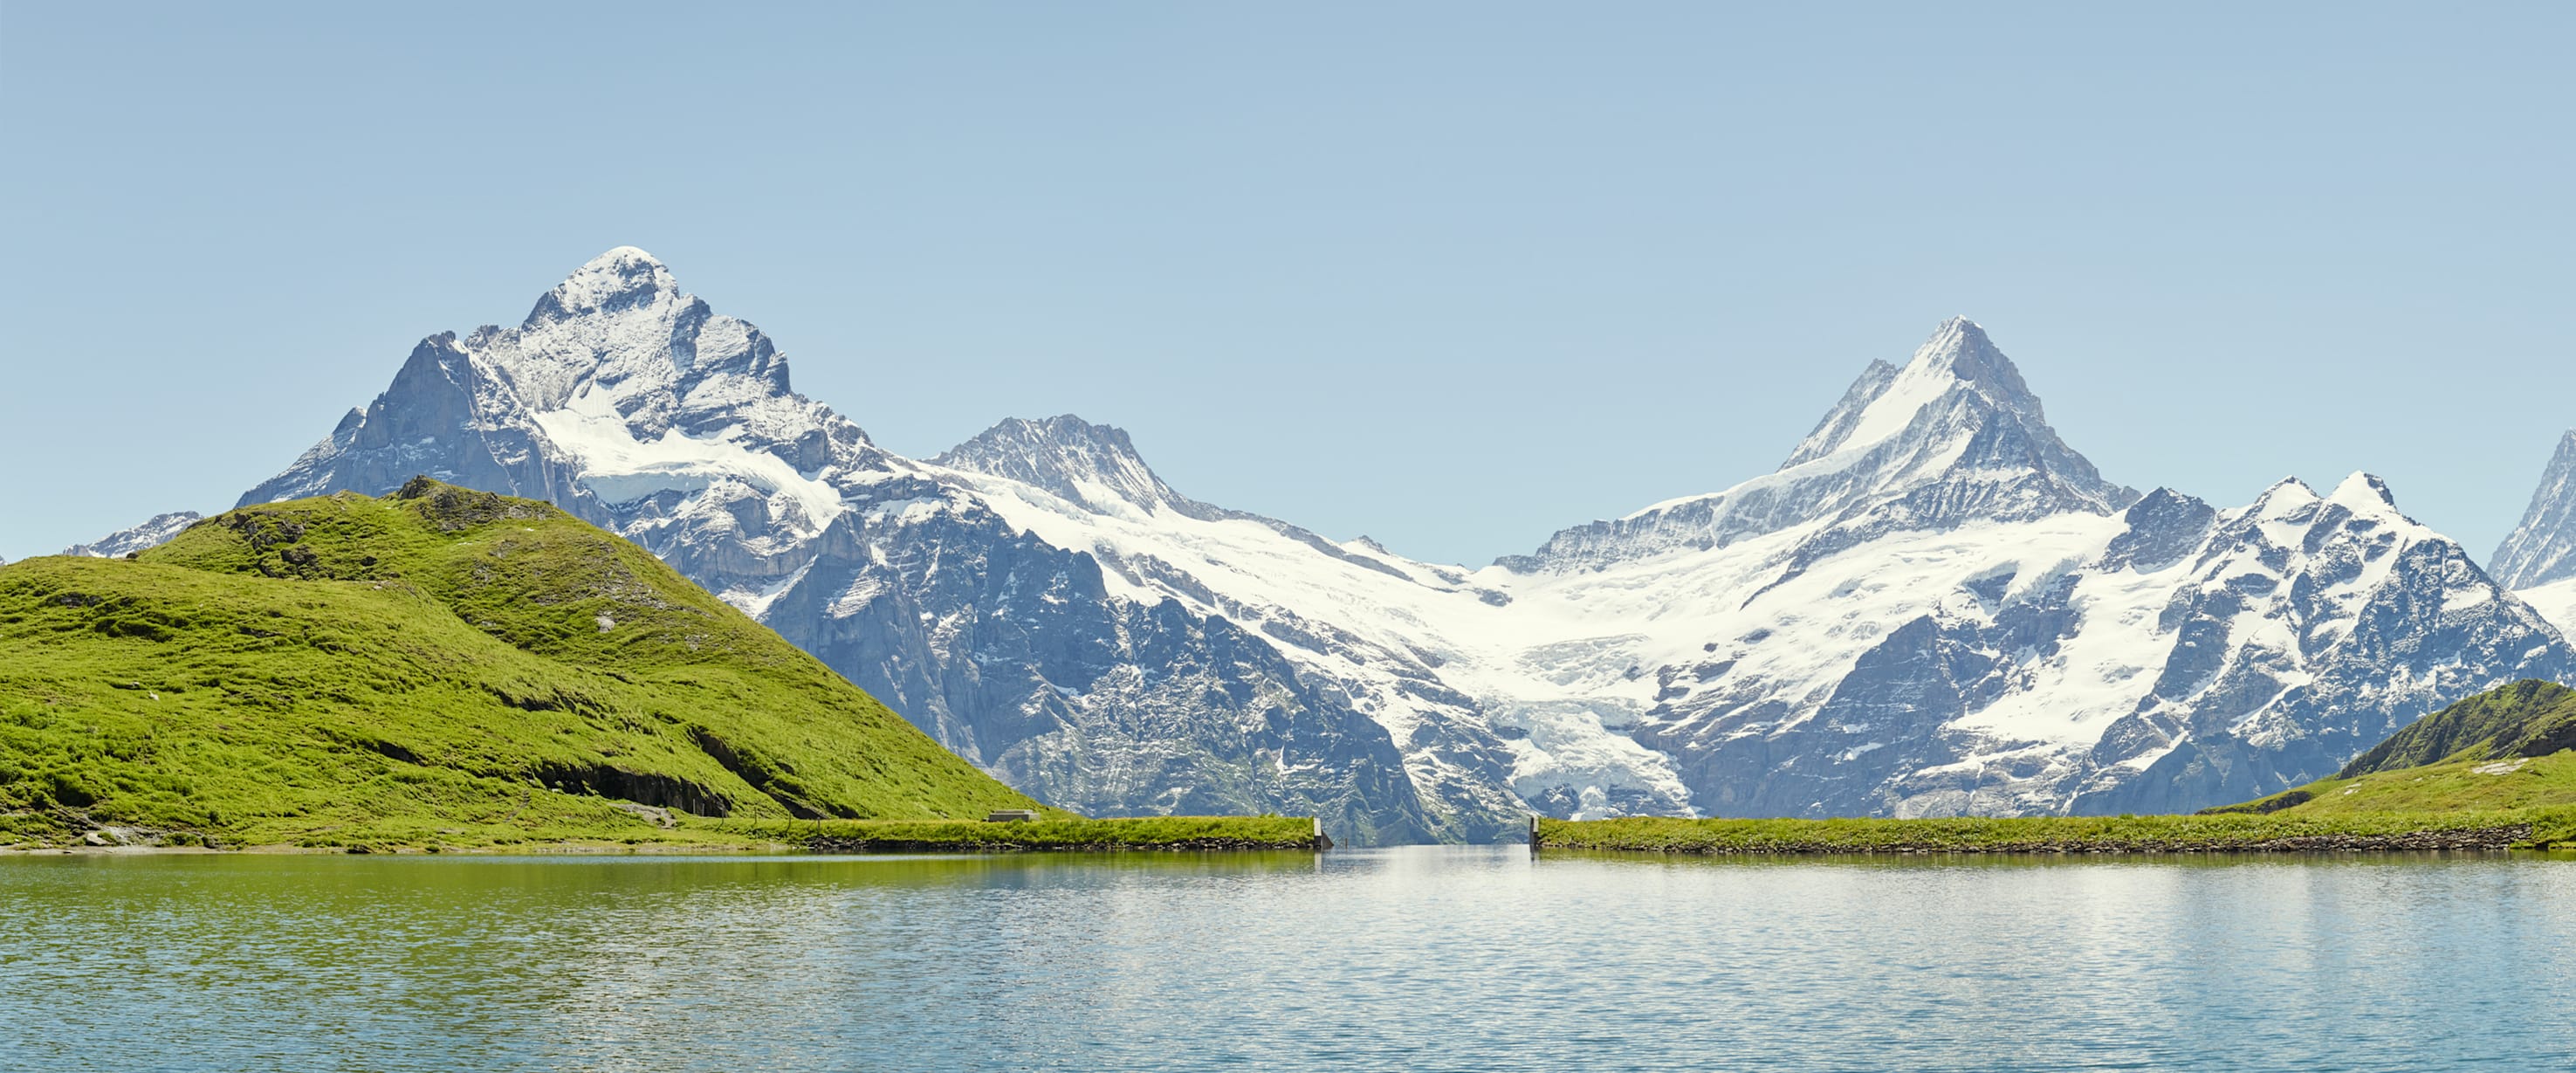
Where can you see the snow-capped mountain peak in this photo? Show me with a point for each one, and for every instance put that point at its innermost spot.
(619, 279)
(1954, 435)
(1093, 465)
(2285, 514)
(618, 389)
(621, 327)
(2286, 494)
(2363, 491)
(1887, 400)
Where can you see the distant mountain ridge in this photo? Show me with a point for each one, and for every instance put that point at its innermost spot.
(151, 534)
(1934, 606)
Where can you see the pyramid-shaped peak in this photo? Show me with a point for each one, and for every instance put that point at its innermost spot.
(1958, 331)
(622, 278)
(1096, 465)
(1886, 400)
(2284, 496)
(2364, 491)
(1950, 339)
(1960, 350)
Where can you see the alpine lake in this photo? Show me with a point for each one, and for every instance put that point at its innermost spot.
(1440, 958)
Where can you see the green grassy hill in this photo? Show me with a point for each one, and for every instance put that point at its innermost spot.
(2460, 785)
(2506, 748)
(440, 666)
(2527, 718)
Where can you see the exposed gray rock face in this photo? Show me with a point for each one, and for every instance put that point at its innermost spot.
(2542, 550)
(151, 534)
(1015, 654)
(1935, 606)
(1077, 461)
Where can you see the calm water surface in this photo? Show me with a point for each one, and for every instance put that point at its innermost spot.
(1450, 958)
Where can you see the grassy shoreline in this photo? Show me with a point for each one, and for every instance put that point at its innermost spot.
(1151, 833)
(2535, 828)
(717, 836)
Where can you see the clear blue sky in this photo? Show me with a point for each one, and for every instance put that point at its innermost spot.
(1451, 275)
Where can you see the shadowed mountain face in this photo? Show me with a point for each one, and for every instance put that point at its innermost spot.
(1934, 606)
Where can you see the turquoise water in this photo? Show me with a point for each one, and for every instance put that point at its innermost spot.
(1420, 958)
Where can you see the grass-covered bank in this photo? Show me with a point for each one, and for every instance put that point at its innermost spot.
(2493, 771)
(438, 667)
(2507, 748)
(2276, 832)
(2508, 784)
(1049, 835)
(1055, 834)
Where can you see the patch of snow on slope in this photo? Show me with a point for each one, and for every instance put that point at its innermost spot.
(1920, 383)
(2100, 668)
(1819, 624)
(2556, 602)
(620, 468)
(755, 602)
